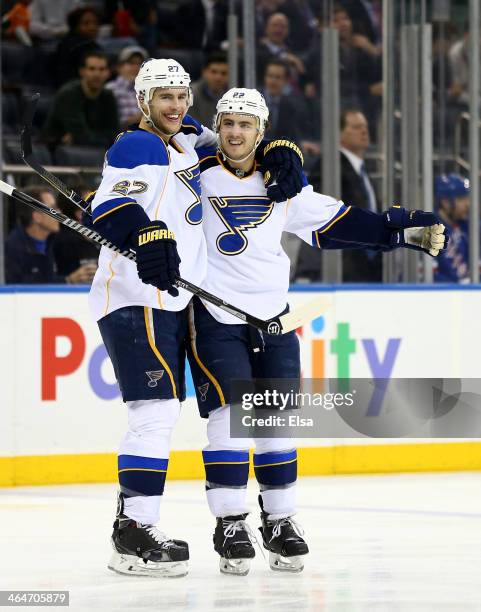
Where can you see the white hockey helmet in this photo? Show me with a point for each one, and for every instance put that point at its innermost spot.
(160, 73)
(243, 101)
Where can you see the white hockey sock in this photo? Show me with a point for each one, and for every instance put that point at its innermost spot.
(226, 463)
(145, 448)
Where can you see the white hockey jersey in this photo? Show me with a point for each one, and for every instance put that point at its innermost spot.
(165, 181)
(247, 265)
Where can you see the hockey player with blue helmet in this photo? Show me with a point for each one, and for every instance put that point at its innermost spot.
(452, 201)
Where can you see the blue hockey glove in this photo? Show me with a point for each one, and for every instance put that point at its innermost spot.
(157, 257)
(418, 230)
(282, 167)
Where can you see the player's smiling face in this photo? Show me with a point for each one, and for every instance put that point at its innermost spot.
(238, 134)
(168, 107)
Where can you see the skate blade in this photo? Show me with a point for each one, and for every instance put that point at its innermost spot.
(285, 564)
(234, 567)
(130, 565)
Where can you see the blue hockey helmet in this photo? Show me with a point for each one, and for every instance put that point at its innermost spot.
(450, 186)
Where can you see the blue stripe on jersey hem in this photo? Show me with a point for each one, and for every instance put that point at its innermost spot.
(269, 458)
(145, 463)
(107, 206)
(225, 456)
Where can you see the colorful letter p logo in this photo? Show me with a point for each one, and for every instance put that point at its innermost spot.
(53, 365)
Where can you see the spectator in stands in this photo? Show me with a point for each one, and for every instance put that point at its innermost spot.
(460, 71)
(446, 90)
(16, 22)
(452, 201)
(210, 87)
(360, 69)
(70, 249)
(201, 24)
(286, 112)
(442, 42)
(134, 19)
(264, 9)
(366, 16)
(83, 24)
(274, 45)
(83, 111)
(356, 190)
(49, 19)
(129, 61)
(302, 20)
(29, 247)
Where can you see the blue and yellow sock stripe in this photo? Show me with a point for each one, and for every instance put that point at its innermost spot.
(225, 457)
(226, 468)
(276, 468)
(142, 475)
(136, 462)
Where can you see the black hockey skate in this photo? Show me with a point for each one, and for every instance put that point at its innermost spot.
(283, 539)
(233, 541)
(144, 550)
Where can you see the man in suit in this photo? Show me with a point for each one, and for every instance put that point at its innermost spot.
(356, 190)
(275, 45)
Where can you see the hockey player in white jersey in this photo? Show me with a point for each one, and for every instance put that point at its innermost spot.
(149, 200)
(247, 266)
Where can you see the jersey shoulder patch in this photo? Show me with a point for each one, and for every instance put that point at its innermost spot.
(137, 148)
(207, 158)
(191, 126)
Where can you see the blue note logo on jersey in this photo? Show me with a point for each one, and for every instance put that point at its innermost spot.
(239, 214)
(191, 179)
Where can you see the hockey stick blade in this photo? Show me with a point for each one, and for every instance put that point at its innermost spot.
(29, 158)
(94, 236)
(303, 314)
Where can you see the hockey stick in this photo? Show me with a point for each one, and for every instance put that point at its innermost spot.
(275, 326)
(28, 157)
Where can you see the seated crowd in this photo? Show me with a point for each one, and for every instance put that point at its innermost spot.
(83, 58)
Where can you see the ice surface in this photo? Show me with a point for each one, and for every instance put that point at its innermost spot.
(390, 542)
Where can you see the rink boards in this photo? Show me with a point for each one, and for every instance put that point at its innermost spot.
(62, 417)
